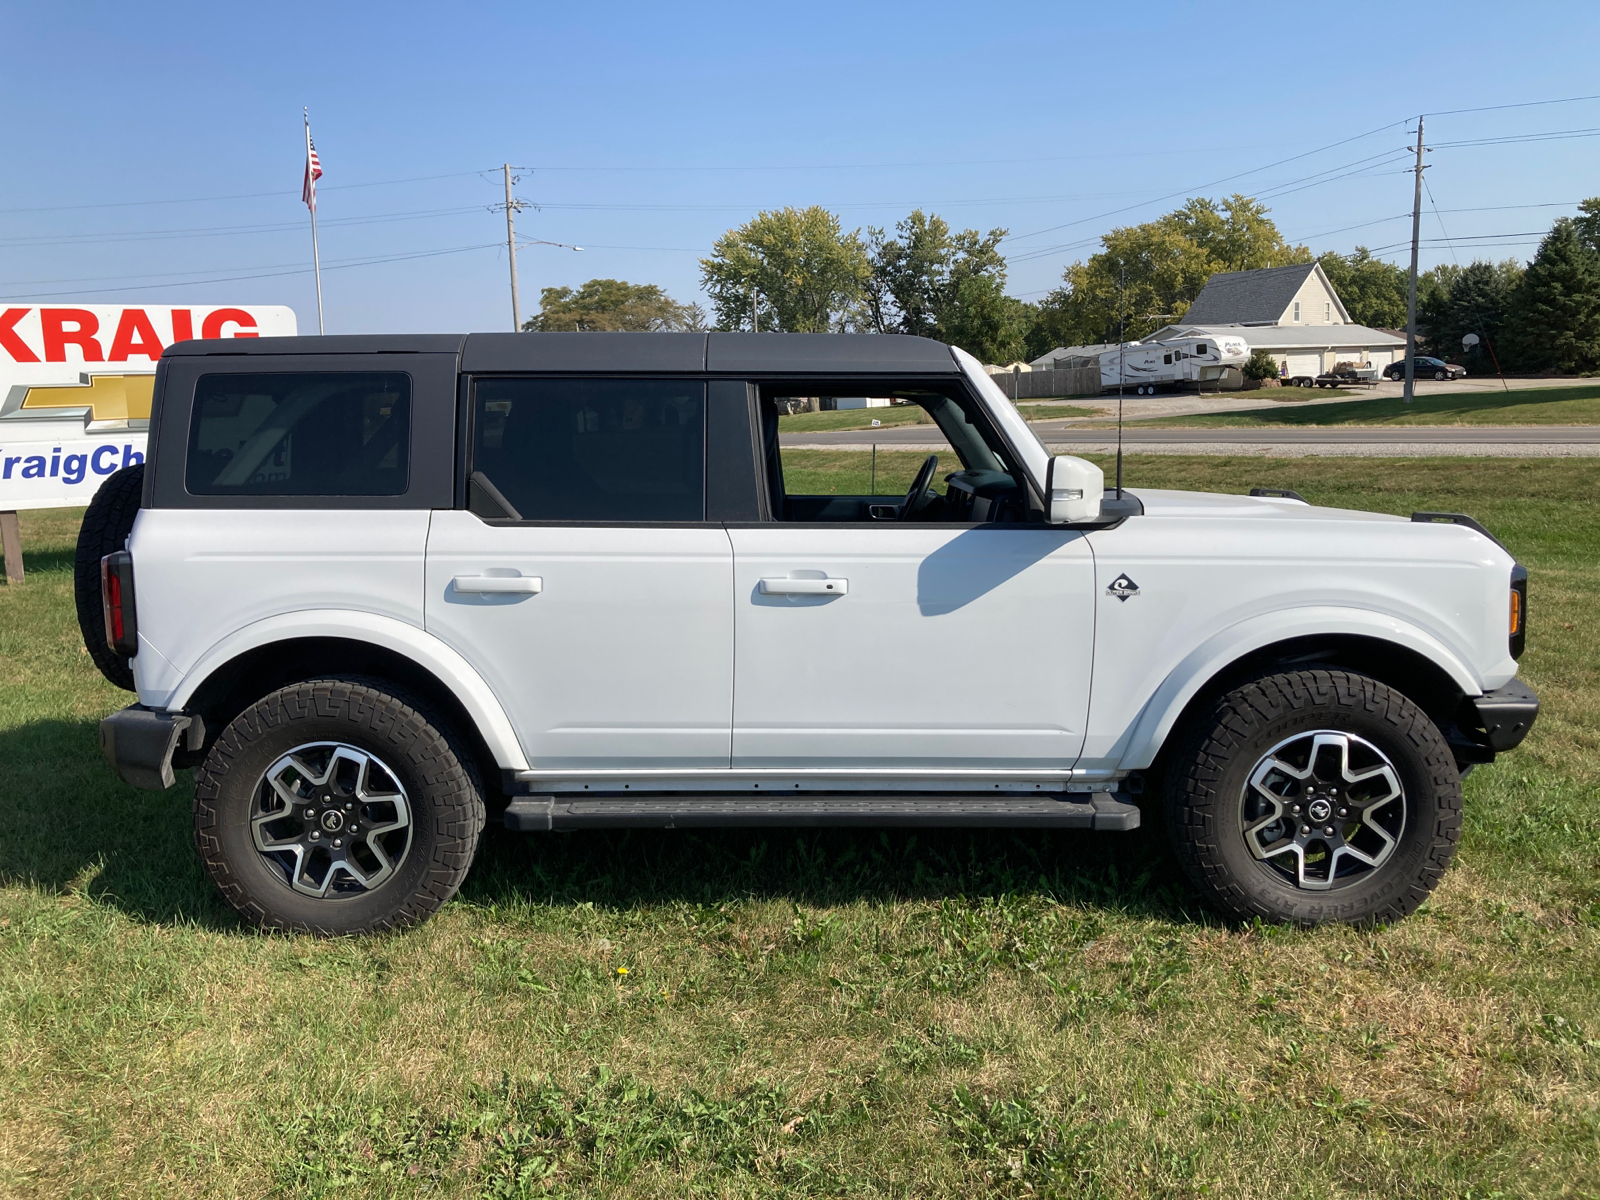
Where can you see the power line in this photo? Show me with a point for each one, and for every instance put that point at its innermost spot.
(1498, 107)
(235, 196)
(1554, 135)
(367, 262)
(1214, 183)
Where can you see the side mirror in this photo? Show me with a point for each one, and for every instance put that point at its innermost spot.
(1075, 486)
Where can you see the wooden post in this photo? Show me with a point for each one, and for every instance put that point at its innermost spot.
(11, 541)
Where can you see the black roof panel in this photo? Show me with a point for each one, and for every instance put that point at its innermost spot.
(720, 353)
(357, 343)
(835, 353)
(585, 352)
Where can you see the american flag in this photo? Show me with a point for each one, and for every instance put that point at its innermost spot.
(308, 193)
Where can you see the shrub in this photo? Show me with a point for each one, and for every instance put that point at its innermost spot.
(1261, 365)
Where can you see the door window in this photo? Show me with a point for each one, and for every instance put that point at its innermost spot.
(592, 449)
(974, 481)
(311, 433)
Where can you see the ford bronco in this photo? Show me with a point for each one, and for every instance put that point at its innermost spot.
(373, 589)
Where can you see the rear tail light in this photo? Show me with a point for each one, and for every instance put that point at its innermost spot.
(1519, 610)
(116, 599)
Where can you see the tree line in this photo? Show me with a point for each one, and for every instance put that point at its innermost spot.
(797, 270)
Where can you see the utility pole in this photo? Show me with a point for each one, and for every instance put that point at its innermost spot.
(511, 252)
(1411, 288)
(755, 314)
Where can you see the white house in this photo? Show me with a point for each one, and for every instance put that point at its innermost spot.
(1293, 313)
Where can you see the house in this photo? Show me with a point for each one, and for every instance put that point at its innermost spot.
(1293, 313)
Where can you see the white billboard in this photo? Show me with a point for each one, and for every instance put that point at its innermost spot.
(76, 382)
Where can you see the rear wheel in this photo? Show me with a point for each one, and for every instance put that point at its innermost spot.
(1315, 796)
(105, 529)
(332, 807)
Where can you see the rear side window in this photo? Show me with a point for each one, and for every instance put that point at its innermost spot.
(593, 449)
(344, 433)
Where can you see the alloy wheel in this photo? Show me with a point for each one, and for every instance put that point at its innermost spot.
(1323, 809)
(331, 820)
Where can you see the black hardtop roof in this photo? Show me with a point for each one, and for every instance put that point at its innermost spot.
(717, 353)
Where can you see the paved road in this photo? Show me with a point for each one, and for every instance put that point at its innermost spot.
(1534, 441)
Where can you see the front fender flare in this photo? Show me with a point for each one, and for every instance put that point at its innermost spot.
(1156, 720)
(427, 651)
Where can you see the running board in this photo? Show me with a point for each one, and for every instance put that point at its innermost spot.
(1101, 810)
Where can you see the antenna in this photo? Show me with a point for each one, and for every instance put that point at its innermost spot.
(1122, 362)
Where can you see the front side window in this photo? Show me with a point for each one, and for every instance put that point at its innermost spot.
(593, 449)
(975, 481)
(310, 433)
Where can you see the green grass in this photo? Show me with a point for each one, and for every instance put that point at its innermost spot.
(816, 1013)
(907, 414)
(1055, 412)
(1532, 406)
(853, 418)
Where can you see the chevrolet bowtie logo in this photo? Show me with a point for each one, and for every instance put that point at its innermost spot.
(107, 397)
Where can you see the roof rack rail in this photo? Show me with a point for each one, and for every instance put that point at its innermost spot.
(1446, 518)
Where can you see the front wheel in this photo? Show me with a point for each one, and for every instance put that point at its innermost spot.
(332, 807)
(1441, 375)
(1315, 796)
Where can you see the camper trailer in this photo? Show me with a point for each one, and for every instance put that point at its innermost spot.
(1148, 367)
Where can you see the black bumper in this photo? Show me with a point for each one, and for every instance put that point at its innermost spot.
(140, 742)
(1506, 714)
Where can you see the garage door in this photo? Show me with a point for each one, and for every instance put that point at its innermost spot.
(1305, 364)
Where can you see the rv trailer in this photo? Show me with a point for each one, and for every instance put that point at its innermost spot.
(1148, 367)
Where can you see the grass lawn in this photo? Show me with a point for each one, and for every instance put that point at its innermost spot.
(1533, 406)
(853, 418)
(816, 1013)
(907, 414)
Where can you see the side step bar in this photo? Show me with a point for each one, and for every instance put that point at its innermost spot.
(1101, 810)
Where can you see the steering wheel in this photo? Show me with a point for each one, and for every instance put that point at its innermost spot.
(917, 497)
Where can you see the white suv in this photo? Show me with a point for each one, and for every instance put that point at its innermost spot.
(372, 588)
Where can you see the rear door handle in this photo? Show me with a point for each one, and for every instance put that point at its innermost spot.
(524, 585)
(804, 587)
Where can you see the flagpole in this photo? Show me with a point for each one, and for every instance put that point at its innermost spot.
(316, 255)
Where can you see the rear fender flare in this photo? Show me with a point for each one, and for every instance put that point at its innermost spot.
(427, 651)
(1158, 717)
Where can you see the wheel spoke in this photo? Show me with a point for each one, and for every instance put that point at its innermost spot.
(333, 820)
(1318, 812)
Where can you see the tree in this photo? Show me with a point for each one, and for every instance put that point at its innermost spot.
(1588, 223)
(611, 305)
(930, 282)
(1260, 365)
(1236, 235)
(1470, 299)
(1556, 313)
(1373, 291)
(806, 274)
(1147, 276)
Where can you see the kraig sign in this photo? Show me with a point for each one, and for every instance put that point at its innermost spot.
(75, 387)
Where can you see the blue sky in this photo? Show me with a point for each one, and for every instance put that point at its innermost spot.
(645, 130)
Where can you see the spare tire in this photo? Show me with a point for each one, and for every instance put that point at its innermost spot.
(106, 526)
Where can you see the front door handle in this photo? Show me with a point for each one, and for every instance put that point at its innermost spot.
(804, 587)
(501, 585)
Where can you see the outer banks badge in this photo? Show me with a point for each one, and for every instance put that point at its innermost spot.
(1122, 587)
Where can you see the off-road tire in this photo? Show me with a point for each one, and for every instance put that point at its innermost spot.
(423, 753)
(105, 529)
(1212, 764)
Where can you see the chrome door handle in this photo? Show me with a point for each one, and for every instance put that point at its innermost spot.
(523, 585)
(804, 587)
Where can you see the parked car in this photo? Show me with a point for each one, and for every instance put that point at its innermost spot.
(1426, 368)
(374, 589)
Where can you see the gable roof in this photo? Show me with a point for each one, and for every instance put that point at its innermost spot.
(1254, 297)
(1287, 337)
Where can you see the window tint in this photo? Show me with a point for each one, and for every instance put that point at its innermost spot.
(1166, 360)
(593, 449)
(325, 433)
(1200, 348)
